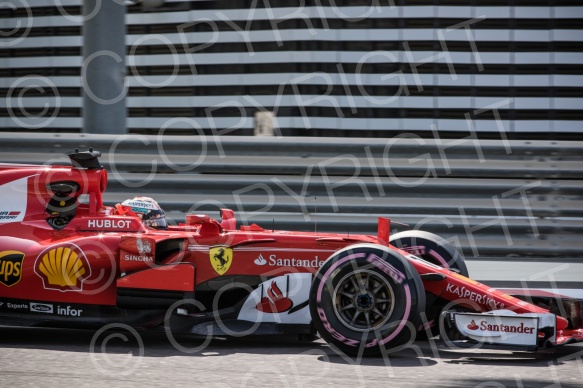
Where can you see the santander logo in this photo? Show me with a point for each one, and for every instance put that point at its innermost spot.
(260, 260)
(501, 327)
(275, 261)
(274, 302)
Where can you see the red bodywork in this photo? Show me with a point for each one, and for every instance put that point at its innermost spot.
(104, 259)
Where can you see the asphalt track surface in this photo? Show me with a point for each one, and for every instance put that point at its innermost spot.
(32, 357)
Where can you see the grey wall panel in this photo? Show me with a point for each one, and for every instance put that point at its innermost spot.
(523, 51)
(486, 80)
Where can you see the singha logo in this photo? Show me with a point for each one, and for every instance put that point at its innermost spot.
(143, 246)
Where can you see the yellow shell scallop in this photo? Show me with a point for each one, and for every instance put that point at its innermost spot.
(62, 267)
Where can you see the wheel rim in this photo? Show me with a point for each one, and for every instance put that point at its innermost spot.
(363, 300)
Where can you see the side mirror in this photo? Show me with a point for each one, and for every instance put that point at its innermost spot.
(228, 220)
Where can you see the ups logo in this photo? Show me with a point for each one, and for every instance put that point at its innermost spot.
(10, 267)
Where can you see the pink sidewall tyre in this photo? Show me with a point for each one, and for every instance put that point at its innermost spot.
(366, 300)
(432, 248)
(438, 251)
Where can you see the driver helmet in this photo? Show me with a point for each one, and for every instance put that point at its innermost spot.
(148, 210)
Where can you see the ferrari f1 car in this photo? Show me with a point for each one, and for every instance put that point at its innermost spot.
(66, 260)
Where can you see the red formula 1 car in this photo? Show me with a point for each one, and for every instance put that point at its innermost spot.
(68, 260)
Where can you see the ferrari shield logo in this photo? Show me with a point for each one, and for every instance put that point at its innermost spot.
(221, 259)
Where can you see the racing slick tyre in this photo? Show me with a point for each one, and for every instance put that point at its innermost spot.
(366, 299)
(438, 251)
(432, 248)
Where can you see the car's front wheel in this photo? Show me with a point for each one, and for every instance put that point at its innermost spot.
(366, 299)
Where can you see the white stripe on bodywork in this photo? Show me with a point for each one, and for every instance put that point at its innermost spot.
(14, 196)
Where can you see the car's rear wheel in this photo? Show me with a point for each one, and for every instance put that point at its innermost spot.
(366, 299)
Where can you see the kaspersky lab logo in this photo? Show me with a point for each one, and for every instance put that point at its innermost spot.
(10, 267)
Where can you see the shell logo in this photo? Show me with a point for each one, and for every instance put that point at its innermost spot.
(62, 268)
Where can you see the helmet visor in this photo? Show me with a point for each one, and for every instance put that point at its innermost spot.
(157, 222)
